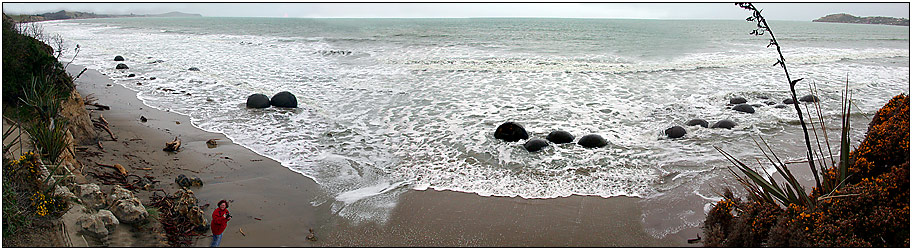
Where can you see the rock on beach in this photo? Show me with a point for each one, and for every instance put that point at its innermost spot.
(809, 98)
(121, 66)
(737, 100)
(118, 58)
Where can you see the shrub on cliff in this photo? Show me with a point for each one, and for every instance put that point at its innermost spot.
(871, 208)
(25, 57)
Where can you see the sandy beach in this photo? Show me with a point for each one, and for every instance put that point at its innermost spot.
(272, 204)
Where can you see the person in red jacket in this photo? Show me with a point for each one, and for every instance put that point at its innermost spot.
(220, 218)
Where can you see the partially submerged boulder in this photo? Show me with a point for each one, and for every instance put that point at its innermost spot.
(701, 122)
(118, 58)
(121, 66)
(535, 145)
(257, 101)
(560, 137)
(744, 108)
(511, 132)
(737, 100)
(284, 99)
(809, 98)
(675, 132)
(728, 124)
(592, 141)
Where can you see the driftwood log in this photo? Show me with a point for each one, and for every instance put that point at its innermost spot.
(120, 168)
(173, 145)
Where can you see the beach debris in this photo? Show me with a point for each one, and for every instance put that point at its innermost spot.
(186, 182)
(173, 146)
(143, 119)
(99, 145)
(103, 124)
(120, 169)
(211, 143)
(694, 241)
(177, 122)
(193, 69)
(241, 230)
(144, 168)
(98, 106)
(311, 236)
(209, 99)
(255, 218)
(108, 85)
(181, 218)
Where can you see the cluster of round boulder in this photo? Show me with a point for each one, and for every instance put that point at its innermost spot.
(282, 99)
(512, 132)
(741, 106)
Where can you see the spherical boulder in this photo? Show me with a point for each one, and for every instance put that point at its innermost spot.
(675, 132)
(535, 144)
(118, 58)
(744, 108)
(592, 141)
(257, 101)
(809, 98)
(788, 101)
(729, 124)
(511, 131)
(284, 99)
(560, 137)
(701, 122)
(121, 66)
(737, 100)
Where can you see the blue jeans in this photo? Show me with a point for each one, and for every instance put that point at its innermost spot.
(216, 240)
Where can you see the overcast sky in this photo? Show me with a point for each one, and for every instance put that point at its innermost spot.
(772, 11)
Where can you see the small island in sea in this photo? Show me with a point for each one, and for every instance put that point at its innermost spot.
(847, 18)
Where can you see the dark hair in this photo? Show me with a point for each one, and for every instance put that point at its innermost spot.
(222, 201)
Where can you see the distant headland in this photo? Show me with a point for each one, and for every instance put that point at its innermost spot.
(846, 18)
(63, 14)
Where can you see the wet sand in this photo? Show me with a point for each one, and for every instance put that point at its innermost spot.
(272, 204)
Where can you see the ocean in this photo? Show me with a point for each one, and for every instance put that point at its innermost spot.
(390, 105)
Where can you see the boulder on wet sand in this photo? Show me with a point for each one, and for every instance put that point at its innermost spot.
(729, 124)
(535, 144)
(91, 195)
(121, 66)
(257, 101)
(118, 58)
(511, 132)
(701, 122)
(129, 210)
(809, 98)
(99, 224)
(560, 137)
(788, 101)
(737, 100)
(675, 132)
(592, 141)
(284, 99)
(744, 108)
